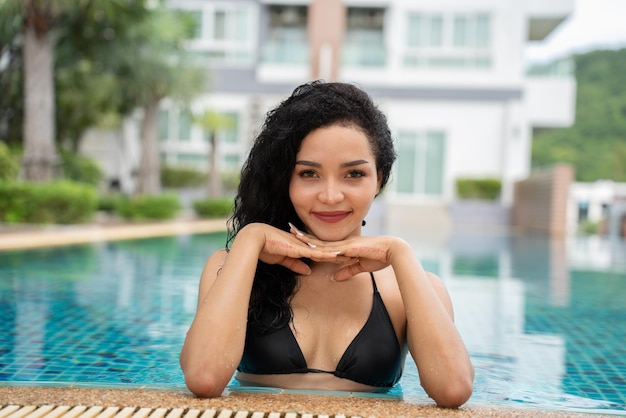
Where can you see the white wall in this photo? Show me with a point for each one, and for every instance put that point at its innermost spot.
(550, 101)
(473, 135)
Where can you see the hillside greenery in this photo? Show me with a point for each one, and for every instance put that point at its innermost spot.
(596, 144)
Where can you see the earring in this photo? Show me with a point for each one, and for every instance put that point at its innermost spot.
(363, 222)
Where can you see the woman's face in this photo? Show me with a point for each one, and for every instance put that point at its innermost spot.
(334, 181)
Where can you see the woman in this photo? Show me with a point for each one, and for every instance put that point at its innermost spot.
(301, 299)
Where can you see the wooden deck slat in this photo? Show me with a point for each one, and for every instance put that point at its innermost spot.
(81, 411)
(57, 411)
(8, 409)
(74, 412)
(109, 412)
(158, 413)
(142, 413)
(175, 413)
(192, 413)
(126, 412)
(92, 412)
(21, 412)
(38, 412)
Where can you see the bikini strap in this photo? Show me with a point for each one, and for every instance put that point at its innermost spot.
(374, 282)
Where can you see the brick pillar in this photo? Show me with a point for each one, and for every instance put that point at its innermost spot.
(540, 201)
(326, 25)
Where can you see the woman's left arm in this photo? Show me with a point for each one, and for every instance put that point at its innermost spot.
(443, 363)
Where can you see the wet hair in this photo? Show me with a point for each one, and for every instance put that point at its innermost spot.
(263, 193)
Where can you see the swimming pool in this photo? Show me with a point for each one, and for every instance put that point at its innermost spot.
(545, 321)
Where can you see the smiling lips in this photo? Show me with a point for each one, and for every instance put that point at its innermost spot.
(331, 217)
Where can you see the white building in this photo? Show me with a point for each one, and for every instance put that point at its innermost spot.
(602, 201)
(449, 74)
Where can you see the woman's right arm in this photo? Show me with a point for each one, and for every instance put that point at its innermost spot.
(215, 340)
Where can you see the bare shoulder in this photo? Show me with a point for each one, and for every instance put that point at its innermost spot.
(390, 292)
(436, 281)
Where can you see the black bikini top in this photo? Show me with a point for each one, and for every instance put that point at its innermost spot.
(373, 358)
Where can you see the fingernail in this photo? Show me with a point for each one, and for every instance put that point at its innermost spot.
(298, 233)
(311, 245)
(336, 253)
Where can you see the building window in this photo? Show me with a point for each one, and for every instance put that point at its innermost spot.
(174, 125)
(222, 33)
(448, 40)
(420, 165)
(287, 41)
(364, 39)
(424, 30)
(163, 124)
(184, 125)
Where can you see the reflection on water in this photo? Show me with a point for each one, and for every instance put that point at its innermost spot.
(544, 320)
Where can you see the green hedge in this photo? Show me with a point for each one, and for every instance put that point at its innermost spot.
(80, 168)
(9, 165)
(478, 188)
(148, 207)
(58, 202)
(213, 208)
(109, 202)
(230, 180)
(178, 177)
(588, 227)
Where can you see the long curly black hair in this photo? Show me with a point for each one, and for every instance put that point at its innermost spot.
(263, 193)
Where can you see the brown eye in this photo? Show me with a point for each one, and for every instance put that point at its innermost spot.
(355, 174)
(306, 173)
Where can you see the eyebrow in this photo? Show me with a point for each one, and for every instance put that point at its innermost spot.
(343, 165)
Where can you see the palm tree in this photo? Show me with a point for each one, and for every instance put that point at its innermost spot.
(40, 23)
(213, 123)
(147, 58)
(40, 157)
(155, 65)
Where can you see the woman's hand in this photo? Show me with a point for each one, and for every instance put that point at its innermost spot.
(285, 249)
(356, 255)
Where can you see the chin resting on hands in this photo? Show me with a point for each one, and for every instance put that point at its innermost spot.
(280, 247)
(358, 254)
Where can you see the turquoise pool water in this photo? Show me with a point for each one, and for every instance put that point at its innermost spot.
(545, 321)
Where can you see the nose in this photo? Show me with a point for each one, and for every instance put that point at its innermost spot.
(331, 192)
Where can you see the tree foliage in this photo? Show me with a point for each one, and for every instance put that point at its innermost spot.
(30, 35)
(110, 57)
(596, 144)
